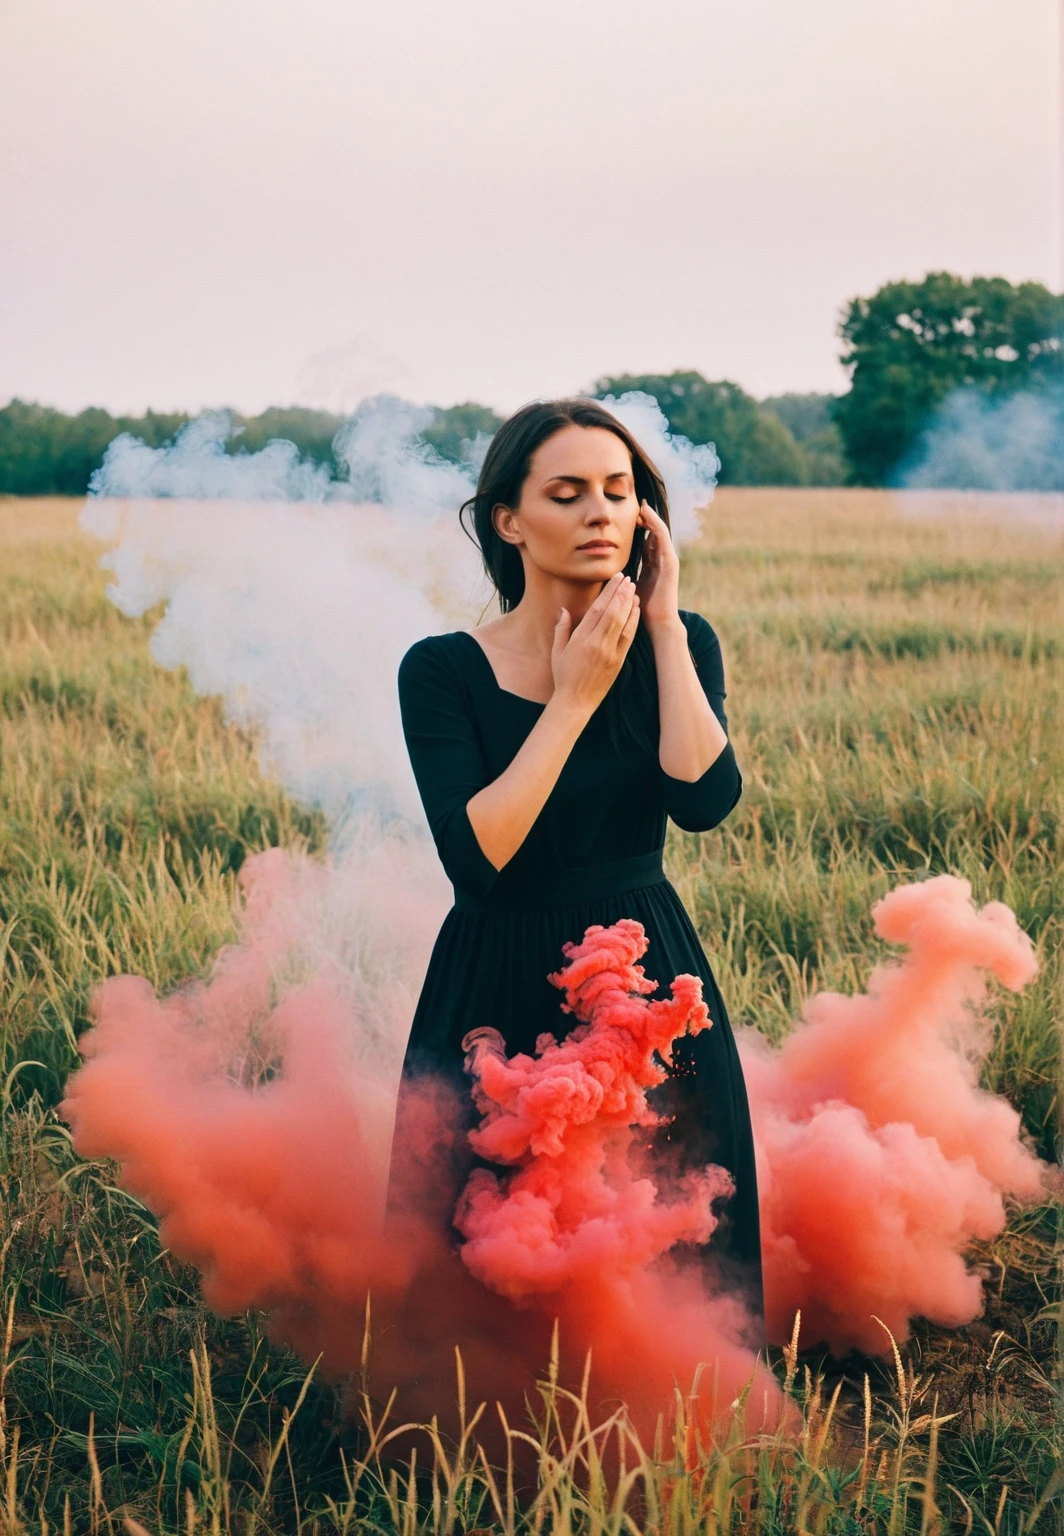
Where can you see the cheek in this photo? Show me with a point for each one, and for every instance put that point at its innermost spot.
(547, 527)
(627, 518)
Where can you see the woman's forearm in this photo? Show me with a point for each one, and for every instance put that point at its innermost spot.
(502, 813)
(692, 738)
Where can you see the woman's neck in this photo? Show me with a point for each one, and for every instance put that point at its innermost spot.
(531, 623)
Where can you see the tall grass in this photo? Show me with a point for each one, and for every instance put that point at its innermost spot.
(894, 697)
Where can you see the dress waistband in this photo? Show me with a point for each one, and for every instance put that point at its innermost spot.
(570, 887)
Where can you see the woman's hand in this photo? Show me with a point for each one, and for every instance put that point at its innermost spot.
(585, 660)
(659, 580)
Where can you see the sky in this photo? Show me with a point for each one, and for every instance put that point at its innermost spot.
(255, 202)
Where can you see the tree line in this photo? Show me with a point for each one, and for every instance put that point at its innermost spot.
(907, 349)
(789, 440)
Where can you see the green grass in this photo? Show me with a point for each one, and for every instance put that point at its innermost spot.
(895, 702)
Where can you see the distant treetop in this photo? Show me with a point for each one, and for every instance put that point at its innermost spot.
(912, 344)
(44, 452)
(756, 446)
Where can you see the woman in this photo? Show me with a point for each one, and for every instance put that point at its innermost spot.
(549, 747)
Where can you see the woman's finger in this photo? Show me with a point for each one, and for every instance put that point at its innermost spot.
(658, 528)
(593, 617)
(619, 609)
(631, 624)
(617, 612)
(562, 628)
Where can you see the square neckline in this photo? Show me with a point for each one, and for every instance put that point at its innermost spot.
(535, 703)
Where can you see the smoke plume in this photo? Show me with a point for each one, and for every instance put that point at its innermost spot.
(244, 1113)
(975, 441)
(573, 1229)
(293, 595)
(879, 1156)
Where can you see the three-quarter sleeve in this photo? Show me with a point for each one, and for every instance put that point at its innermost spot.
(447, 759)
(698, 805)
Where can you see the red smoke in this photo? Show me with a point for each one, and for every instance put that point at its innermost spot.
(247, 1115)
(240, 1119)
(879, 1156)
(574, 1211)
(573, 1229)
(252, 1114)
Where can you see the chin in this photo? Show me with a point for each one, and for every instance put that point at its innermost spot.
(603, 567)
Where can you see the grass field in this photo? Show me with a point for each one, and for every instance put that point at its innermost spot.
(895, 703)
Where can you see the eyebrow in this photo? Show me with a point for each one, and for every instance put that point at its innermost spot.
(618, 474)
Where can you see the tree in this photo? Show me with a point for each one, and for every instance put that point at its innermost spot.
(311, 431)
(46, 453)
(808, 418)
(754, 447)
(455, 427)
(912, 344)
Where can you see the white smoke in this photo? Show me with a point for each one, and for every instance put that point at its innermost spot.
(292, 594)
(288, 598)
(983, 442)
(388, 461)
(689, 470)
(196, 464)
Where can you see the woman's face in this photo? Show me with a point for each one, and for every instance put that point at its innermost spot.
(578, 508)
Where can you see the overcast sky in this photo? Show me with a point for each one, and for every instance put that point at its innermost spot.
(249, 202)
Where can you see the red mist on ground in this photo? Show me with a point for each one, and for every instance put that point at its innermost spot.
(241, 1114)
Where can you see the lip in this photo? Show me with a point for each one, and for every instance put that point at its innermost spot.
(597, 545)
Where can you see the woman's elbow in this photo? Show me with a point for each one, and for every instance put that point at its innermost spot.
(465, 863)
(703, 804)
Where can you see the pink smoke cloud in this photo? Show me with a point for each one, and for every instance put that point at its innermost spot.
(879, 1156)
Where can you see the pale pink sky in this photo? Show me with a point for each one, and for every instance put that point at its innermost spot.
(249, 202)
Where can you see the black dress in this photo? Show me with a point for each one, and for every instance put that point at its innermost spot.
(593, 855)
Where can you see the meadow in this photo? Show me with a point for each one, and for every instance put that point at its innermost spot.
(895, 701)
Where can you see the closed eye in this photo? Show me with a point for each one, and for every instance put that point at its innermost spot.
(567, 501)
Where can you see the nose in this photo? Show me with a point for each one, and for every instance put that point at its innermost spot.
(598, 510)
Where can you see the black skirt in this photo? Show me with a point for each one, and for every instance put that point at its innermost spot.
(489, 967)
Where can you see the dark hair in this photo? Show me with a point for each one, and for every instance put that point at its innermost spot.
(505, 470)
(502, 476)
